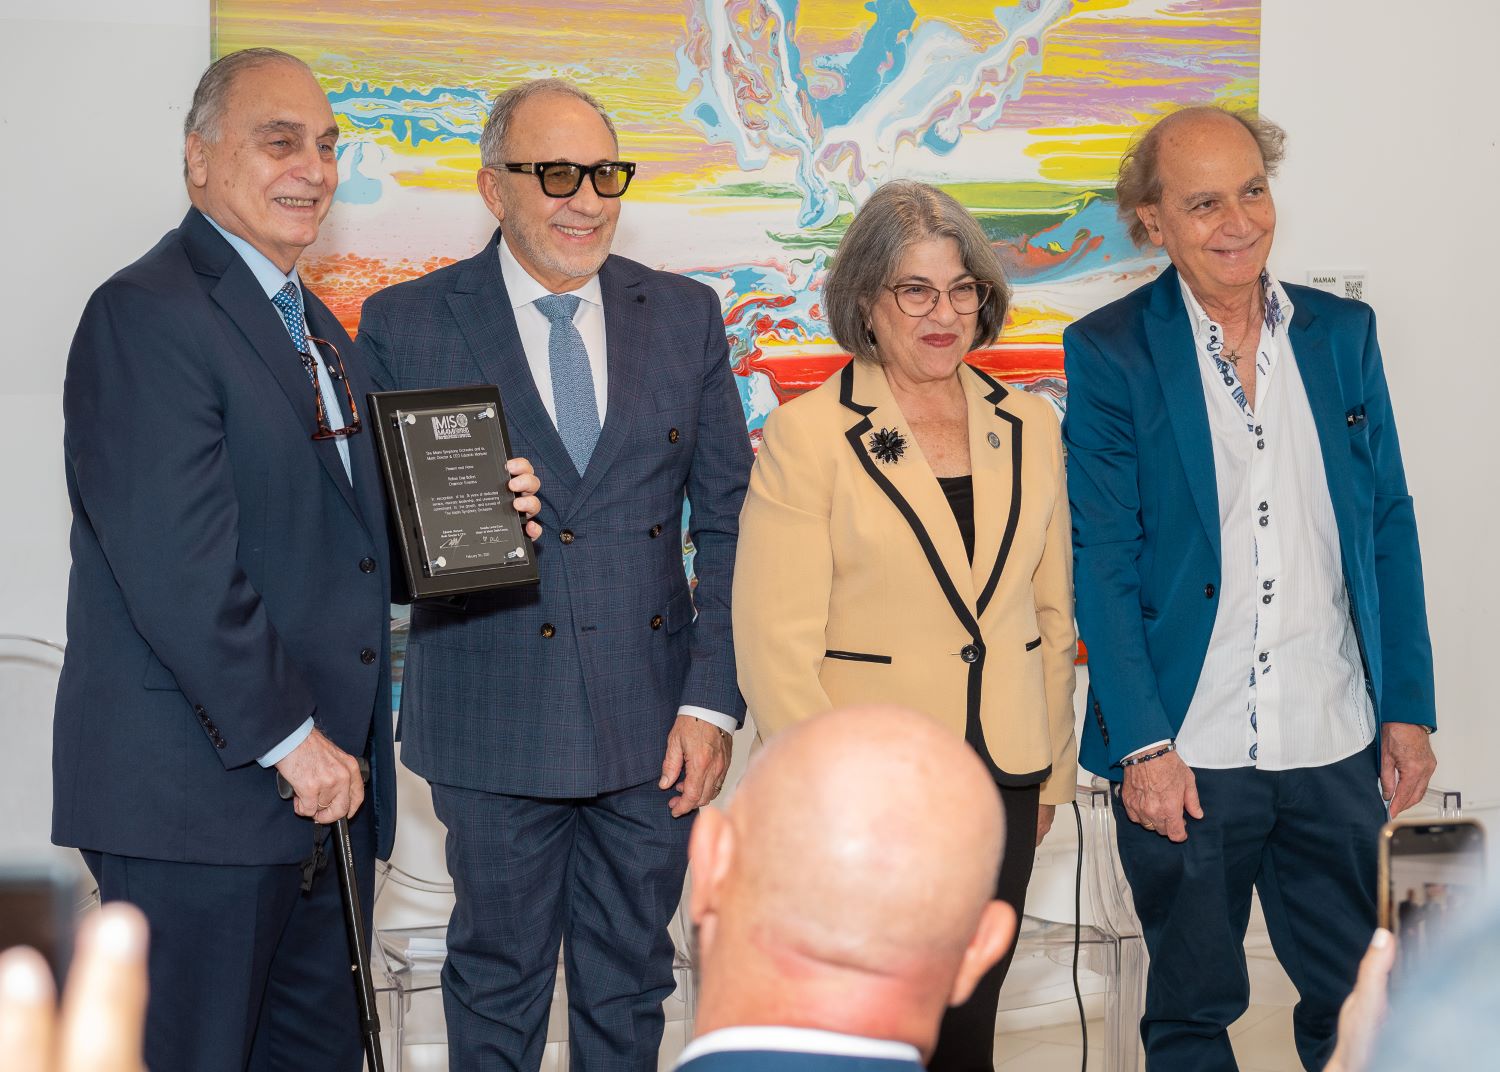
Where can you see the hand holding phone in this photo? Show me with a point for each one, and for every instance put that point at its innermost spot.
(1431, 870)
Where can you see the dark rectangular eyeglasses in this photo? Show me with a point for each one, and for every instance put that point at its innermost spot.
(562, 178)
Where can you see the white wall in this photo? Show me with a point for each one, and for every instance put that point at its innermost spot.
(1393, 167)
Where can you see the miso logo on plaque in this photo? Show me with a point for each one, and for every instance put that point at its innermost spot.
(444, 453)
(451, 426)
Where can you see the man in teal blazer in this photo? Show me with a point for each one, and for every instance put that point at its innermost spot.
(1249, 588)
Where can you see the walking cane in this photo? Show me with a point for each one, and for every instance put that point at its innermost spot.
(354, 928)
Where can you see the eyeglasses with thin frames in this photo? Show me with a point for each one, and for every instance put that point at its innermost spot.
(918, 299)
(562, 178)
(325, 430)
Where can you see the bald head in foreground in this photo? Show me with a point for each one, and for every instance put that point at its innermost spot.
(844, 899)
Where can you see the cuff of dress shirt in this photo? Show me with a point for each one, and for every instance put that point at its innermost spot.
(713, 718)
(284, 749)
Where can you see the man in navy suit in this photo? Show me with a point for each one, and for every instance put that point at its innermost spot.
(568, 810)
(845, 898)
(1250, 590)
(228, 605)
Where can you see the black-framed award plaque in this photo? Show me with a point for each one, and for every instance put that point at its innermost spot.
(443, 452)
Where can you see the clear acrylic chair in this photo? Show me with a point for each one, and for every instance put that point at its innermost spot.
(29, 668)
(1111, 952)
(408, 962)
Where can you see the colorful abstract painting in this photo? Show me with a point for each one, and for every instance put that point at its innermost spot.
(760, 126)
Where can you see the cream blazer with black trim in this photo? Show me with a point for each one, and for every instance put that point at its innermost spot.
(852, 584)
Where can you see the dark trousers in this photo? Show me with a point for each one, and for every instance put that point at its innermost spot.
(248, 973)
(602, 876)
(966, 1039)
(1306, 840)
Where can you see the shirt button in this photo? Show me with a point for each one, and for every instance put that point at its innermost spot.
(1264, 656)
(1208, 591)
(548, 630)
(367, 565)
(1257, 430)
(969, 653)
(673, 435)
(655, 531)
(1264, 521)
(1266, 585)
(1260, 444)
(656, 621)
(1264, 506)
(1266, 599)
(367, 655)
(566, 535)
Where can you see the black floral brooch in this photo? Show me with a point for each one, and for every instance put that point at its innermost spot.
(888, 445)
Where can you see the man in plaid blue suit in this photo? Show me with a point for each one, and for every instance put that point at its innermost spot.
(568, 806)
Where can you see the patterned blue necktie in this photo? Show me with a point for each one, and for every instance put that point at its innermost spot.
(572, 379)
(289, 304)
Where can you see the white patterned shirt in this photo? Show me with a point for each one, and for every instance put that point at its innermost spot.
(1283, 685)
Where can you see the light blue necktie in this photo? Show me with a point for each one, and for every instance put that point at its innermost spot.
(289, 304)
(572, 379)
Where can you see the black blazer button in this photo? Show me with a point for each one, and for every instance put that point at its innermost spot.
(1208, 591)
(673, 435)
(367, 656)
(220, 743)
(548, 630)
(656, 620)
(655, 531)
(367, 565)
(199, 708)
(969, 653)
(566, 535)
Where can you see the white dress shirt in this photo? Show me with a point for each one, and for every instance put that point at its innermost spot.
(536, 339)
(797, 1040)
(1282, 685)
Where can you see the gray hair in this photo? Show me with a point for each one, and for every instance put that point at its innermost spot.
(899, 215)
(1140, 174)
(497, 124)
(212, 95)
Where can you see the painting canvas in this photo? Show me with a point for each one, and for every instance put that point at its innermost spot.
(760, 126)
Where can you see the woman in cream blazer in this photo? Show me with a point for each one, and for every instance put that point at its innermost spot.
(856, 581)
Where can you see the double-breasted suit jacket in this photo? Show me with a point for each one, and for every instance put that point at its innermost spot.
(612, 641)
(853, 584)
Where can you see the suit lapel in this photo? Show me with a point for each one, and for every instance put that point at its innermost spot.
(907, 481)
(995, 442)
(243, 301)
(481, 306)
(1313, 358)
(1176, 359)
(625, 311)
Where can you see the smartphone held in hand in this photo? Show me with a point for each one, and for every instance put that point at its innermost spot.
(1431, 873)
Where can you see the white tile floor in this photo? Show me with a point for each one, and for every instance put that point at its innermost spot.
(1262, 1041)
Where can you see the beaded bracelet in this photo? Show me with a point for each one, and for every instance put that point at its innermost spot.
(1163, 750)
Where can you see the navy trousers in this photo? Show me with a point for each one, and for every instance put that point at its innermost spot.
(248, 973)
(601, 876)
(1306, 841)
